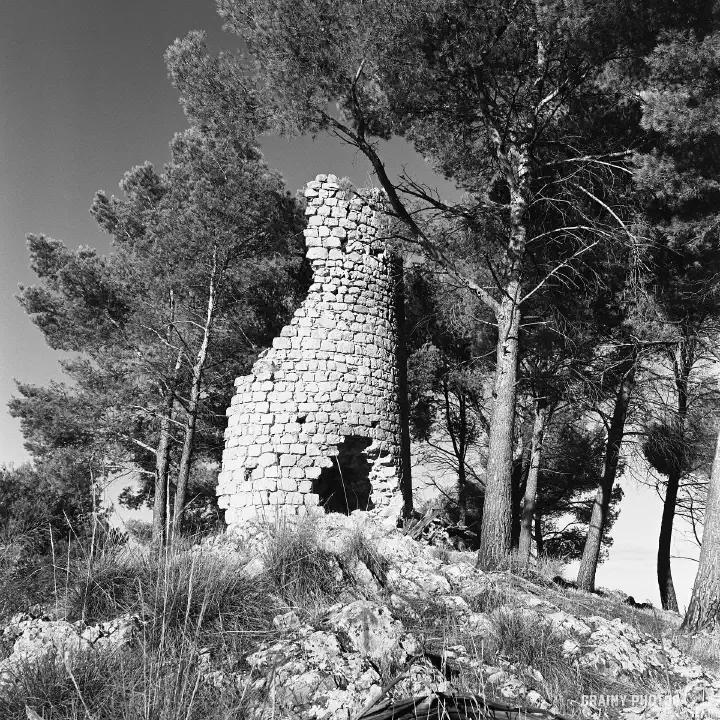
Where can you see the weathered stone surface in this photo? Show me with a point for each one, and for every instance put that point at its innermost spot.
(327, 663)
(311, 677)
(371, 630)
(38, 640)
(332, 668)
(324, 398)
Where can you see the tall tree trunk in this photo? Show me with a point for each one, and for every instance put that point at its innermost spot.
(513, 155)
(462, 494)
(461, 454)
(403, 399)
(193, 405)
(162, 462)
(528, 508)
(539, 542)
(682, 365)
(462, 470)
(521, 468)
(162, 456)
(518, 480)
(458, 437)
(495, 536)
(704, 608)
(591, 551)
(668, 598)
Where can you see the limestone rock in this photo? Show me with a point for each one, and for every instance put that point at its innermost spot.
(311, 677)
(371, 630)
(37, 640)
(423, 620)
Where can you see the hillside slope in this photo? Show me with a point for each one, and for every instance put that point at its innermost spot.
(326, 619)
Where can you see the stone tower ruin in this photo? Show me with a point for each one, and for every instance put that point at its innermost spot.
(315, 427)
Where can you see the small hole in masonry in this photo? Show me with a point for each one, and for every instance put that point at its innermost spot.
(374, 423)
(301, 419)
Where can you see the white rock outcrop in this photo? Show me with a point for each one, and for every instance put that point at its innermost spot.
(39, 640)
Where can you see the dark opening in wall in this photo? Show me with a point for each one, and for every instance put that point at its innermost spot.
(345, 486)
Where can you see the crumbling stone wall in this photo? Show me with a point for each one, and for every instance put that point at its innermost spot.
(315, 426)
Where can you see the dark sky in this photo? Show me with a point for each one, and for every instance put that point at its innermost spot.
(84, 97)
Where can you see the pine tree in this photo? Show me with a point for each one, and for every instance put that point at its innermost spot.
(216, 213)
(680, 191)
(523, 105)
(205, 267)
(572, 471)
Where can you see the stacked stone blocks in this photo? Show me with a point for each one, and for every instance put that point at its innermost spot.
(315, 426)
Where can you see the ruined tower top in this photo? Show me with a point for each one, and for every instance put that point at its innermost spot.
(315, 427)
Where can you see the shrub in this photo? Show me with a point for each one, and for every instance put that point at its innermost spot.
(549, 567)
(536, 645)
(140, 531)
(104, 587)
(705, 649)
(52, 692)
(524, 639)
(539, 570)
(27, 577)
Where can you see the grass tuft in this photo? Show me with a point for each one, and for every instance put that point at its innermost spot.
(704, 649)
(522, 638)
(489, 599)
(300, 570)
(360, 548)
(193, 593)
(26, 577)
(163, 685)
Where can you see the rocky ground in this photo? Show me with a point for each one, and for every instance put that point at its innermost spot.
(414, 619)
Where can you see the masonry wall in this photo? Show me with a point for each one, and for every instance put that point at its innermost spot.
(315, 427)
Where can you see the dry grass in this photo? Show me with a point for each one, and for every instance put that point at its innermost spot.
(444, 555)
(548, 567)
(195, 594)
(526, 646)
(299, 569)
(201, 610)
(360, 548)
(198, 609)
(490, 598)
(540, 571)
(583, 604)
(157, 685)
(705, 649)
(536, 648)
(26, 578)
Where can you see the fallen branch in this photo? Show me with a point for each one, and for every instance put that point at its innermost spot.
(454, 706)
